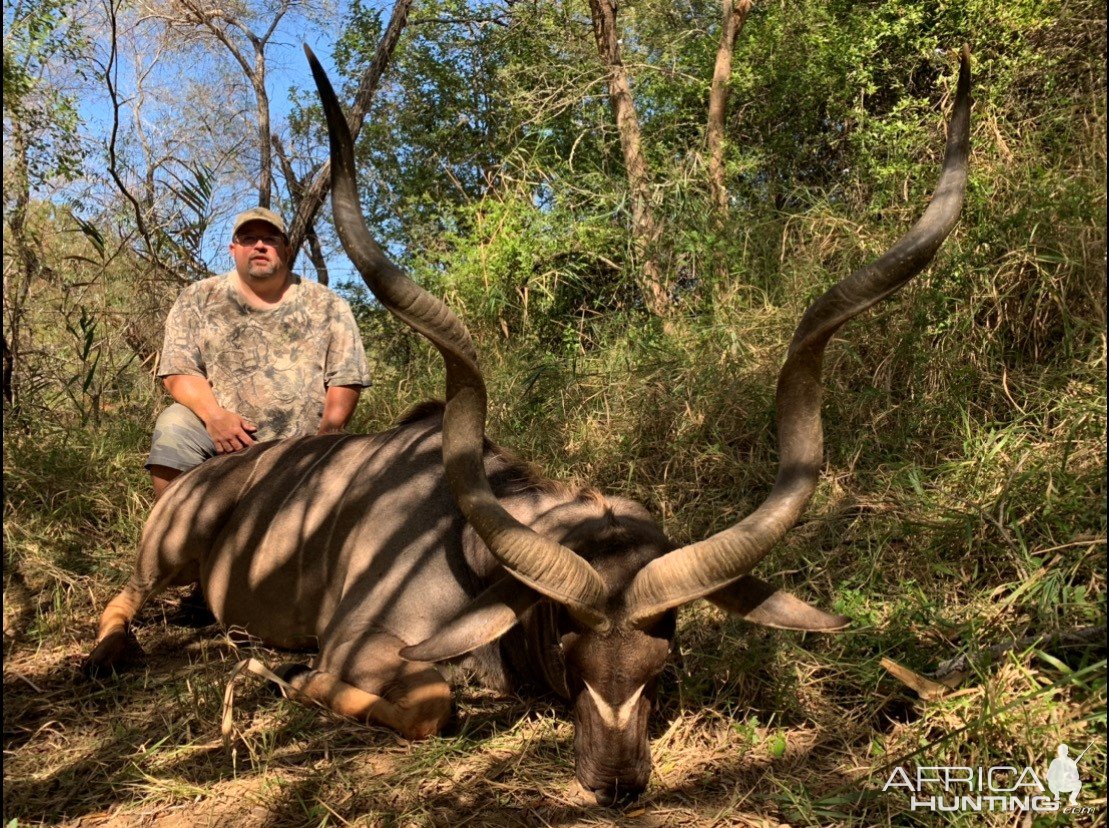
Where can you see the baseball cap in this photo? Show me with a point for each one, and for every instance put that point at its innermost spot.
(259, 214)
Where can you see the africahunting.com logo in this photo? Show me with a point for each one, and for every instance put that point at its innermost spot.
(997, 788)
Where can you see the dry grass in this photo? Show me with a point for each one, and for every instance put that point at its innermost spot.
(756, 728)
(935, 541)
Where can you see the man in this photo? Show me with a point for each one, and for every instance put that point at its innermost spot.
(256, 354)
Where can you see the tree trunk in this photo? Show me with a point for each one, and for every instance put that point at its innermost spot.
(296, 191)
(646, 231)
(265, 158)
(734, 16)
(17, 285)
(317, 190)
(9, 365)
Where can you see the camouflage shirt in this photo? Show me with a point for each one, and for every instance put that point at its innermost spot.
(271, 367)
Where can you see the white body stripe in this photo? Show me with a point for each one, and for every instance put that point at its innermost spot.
(611, 715)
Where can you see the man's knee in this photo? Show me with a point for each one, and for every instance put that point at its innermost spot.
(180, 442)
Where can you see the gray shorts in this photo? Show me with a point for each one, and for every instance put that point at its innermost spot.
(180, 440)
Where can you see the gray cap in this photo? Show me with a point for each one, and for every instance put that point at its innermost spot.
(259, 214)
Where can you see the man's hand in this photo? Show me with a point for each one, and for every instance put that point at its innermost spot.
(229, 431)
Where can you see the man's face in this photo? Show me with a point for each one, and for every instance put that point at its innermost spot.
(260, 252)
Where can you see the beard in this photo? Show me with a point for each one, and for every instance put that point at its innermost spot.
(259, 269)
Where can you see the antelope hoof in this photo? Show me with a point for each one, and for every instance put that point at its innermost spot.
(193, 611)
(418, 727)
(111, 654)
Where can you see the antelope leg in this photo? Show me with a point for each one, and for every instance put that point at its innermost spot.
(368, 680)
(114, 642)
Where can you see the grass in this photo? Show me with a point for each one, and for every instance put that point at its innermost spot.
(988, 533)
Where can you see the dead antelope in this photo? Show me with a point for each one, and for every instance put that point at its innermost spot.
(395, 551)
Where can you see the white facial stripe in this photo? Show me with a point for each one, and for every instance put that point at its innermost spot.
(615, 717)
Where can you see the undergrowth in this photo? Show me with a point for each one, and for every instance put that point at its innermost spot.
(952, 517)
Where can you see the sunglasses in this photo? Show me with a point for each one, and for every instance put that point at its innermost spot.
(249, 240)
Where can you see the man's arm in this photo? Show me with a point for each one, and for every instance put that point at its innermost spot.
(338, 407)
(228, 430)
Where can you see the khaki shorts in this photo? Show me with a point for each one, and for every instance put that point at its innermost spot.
(180, 440)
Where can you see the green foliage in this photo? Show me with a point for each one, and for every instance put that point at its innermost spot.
(835, 110)
(80, 326)
(963, 500)
(41, 36)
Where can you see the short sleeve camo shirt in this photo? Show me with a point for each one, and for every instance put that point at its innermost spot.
(272, 367)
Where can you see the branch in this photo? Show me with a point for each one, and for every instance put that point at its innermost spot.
(113, 168)
(317, 191)
(646, 230)
(110, 72)
(296, 190)
(955, 670)
(285, 6)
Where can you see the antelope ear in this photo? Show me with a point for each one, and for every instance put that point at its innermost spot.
(489, 616)
(758, 602)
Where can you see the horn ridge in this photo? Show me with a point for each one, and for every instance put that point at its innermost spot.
(700, 568)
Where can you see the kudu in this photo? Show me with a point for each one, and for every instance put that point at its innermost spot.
(425, 543)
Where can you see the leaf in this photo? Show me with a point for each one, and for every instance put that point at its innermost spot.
(92, 234)
(87, 323)
(778, 746)
(87, 384)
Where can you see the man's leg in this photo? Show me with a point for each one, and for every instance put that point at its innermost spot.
(180, 442)
(161, 477)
